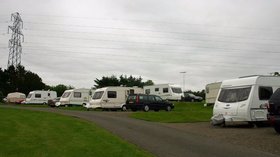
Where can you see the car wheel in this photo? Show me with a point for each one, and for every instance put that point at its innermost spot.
(277, 128)
(168, 108)
(124, 108)
(146, 108)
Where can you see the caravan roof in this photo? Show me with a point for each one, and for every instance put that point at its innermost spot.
(251, 80)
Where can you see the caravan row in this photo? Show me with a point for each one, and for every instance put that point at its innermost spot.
(107, 97)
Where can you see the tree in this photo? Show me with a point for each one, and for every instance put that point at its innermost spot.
(122, 81)
(18, 79)
(276, 74)
(59, 89)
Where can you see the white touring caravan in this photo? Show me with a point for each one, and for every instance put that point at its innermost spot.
(211, 92)
(244, 100)
(40, 97)
(165, 91)
(111, 97)
(79, 96)
(16, 97)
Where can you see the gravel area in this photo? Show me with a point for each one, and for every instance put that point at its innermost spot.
(263, 139)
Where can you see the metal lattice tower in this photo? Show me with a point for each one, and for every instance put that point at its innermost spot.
(15, 41)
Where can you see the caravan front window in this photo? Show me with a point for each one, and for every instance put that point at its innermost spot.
(234, 95)
(176, 90)
(66, 94)
(29, 95)
(97, 95)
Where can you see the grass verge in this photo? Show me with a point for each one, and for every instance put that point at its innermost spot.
(39, 134)
(183, 112)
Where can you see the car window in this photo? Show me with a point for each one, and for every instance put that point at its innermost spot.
(157, 98)
(151, 98)
(276, 95)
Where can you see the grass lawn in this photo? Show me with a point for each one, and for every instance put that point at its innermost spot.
(182, 113)
(39, 134)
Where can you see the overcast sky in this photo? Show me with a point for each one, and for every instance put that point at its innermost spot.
(74, 42)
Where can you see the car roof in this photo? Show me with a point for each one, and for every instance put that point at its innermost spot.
(143, 94)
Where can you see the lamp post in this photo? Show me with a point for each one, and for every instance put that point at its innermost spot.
(183, 72)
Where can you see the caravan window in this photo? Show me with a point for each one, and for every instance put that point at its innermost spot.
(97, 95)
(156, 89)
(131, 91)
(265, 93)
(37, 95)
(112, 94)
(176, 90)
(165, 90)
(234, 95)
(147, 91)
(77, 94)
(66, 94)
(29, 95)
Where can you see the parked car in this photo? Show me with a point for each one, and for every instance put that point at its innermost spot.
(147, 102)
(52, 102)
(273, 108)
(191, 97)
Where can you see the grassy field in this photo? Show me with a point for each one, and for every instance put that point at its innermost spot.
(39, 134)
(184, 112)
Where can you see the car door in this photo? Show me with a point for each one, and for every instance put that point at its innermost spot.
(159, 103)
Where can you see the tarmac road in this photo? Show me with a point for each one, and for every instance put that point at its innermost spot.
(159, 139)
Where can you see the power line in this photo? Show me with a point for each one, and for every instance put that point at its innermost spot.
(159, 22)
(132, 49)
(151, 59)
(162, 44)
(147, 30)
(156, 37)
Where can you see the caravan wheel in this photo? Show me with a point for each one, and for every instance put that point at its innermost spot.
(124, 108)
(277, 128)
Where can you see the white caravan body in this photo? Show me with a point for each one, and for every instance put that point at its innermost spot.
(112, 97)
(15, 97)
(211, 92)
(40, 97)
(244, 99)
(165, 91)
(79, 96)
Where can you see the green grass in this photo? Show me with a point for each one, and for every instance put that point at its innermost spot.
(40, 134)
(184, 112)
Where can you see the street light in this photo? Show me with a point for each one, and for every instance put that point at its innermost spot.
(183, 72)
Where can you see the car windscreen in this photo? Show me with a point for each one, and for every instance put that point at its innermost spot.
(234, 94)
(176, 90)
(276, 95)
(97, 95)
(66, 94)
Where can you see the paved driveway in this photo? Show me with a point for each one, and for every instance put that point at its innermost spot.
(160, 139)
